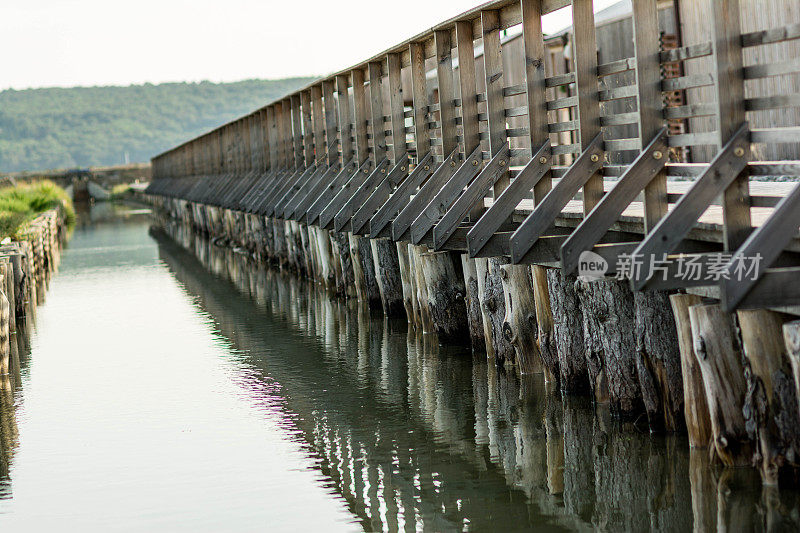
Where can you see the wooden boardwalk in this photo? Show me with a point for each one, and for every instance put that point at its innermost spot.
(411, 182)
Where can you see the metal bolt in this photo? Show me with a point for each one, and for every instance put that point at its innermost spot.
(502, 163)
(427, 167)
(595, 158)
(738, 151)
(452, 163)
(543, 160)
(474, 162)
(402, 168)
(657, 154)
(383, 171)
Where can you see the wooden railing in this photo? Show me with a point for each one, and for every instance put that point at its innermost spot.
(490, 168)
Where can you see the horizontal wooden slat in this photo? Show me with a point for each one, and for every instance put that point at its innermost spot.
(774, 35)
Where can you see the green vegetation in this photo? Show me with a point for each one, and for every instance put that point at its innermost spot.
(21, 203)
(93, 126)
(120, 190)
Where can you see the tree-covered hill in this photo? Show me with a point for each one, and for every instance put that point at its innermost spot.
(88, 126)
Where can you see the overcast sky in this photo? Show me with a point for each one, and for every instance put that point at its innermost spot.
(65, 43)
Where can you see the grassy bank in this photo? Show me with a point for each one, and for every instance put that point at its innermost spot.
(22, 203)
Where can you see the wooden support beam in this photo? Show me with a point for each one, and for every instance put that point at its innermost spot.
(333, 187)
(355, 198)
(673, 228)
(543, 215)
(538, 130)
(402, 222)
(474, 193)
(495, 105)
(331, 120)
(444, 75)
(376, 111)
(308, 136)
(445, 196)
(360, 116)
(420, 99)
(396, 111)
(585, 53)
(318, 123)
(537, 169)
(766, 244)
(378, 198)
(385, 214)
(637, 176)
(345, 121)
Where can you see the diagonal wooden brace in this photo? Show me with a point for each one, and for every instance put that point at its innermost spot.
(344, 193)
(330, 191)
(379, 194)
(402, 223)
(400, 197)
(673, 228)
(638, 175)
(342, 218)
(767, 242)
(503, 206)
(446, 195)
(544, 214)
(497, 167)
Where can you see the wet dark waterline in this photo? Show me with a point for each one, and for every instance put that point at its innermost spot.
(172, 389)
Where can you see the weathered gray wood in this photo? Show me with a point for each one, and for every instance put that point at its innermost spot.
(420, 99)
(543, 216)
(474, 193)
(445, 196)
(695, 406)
(588, 105)
(342, 177)
(401, 196)
(770, 408)
(720, 359)
(444, 75)
(639, 174)
(343, 193)
(378, 196)
(502, 208)
(674, 227)
(402, 222)
(359, 195)
(493, 70)
(396, 107)
(768, 241)
(474, 316)
(776, 284)
(387, 275)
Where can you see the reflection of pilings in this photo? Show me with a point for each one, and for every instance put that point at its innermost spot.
(417, 477)
(404, 439)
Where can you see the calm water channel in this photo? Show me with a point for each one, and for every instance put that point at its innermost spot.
(168, 389)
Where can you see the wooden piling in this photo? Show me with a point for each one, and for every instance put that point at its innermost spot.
(520, 327)
(719, 357)
(770, 407)
(695, 407)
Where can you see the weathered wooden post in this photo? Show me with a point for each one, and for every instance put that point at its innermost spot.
(719, 357)
(384, 251)
(695, 407)
(770, 408)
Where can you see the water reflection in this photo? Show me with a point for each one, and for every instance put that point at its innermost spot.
(416, 435)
